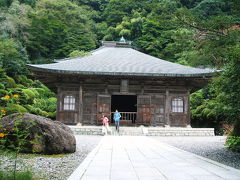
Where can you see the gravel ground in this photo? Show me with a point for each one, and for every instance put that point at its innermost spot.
(210, 147)
(59, 167)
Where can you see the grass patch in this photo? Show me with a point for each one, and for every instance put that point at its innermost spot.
(31, 155)
(26, 156)
(20, 175)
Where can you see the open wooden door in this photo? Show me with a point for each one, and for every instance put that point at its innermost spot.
(103, 107)
(144, 110)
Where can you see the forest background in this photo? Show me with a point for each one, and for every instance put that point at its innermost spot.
(198, 33)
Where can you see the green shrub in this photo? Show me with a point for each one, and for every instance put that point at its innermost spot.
(29, 107)
(2, 92)
(46, 104)
(52, 115)
(52, 104)
(42, 113)
(15, 108)
(2, 86)
(47, 92)
(16, 90)
(10, 82)
(36, 110)
(21, 86)
(233, 143)
(22, 79)
(36, 84)
(30, 93)
(36, 94)
(53, 100)
(41, 91)
(77, 53)
(32, 96)
(2, 72)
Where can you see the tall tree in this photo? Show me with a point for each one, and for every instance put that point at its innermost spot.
(12, 57)
(58, 28)
(15, 21)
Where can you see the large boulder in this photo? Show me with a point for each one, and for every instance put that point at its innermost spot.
(43, 135)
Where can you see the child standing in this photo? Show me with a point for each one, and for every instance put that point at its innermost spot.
(105, 122)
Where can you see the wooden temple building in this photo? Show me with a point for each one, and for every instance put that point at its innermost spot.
(144, 89)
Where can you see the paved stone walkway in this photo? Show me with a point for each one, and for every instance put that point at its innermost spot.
(143, 158)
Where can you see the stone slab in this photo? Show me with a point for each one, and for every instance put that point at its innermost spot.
(143, 158)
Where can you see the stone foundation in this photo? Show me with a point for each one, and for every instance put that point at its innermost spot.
(144, 131)
(157, 131)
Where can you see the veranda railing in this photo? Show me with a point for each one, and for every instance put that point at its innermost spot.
(127, 118)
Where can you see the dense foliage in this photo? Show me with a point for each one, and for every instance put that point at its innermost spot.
(24, 95)
(200, 33)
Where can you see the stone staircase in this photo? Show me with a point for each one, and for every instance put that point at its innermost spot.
(87, 130)
(144, 131)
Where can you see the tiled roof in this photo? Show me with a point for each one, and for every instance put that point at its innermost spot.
(120, 61)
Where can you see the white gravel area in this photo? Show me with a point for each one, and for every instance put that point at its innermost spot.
(211, 147)
(59, 167)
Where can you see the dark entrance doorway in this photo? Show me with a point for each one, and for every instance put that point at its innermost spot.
(126, 106)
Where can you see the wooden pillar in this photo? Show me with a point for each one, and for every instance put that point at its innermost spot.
(59, 102)
(167, 109)
(80, 107)
(188, 122)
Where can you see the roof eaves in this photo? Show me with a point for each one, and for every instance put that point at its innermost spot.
(120, 73)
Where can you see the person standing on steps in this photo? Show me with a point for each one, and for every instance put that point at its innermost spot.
(116, 118)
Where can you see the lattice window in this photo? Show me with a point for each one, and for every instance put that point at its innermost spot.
(177, 105)
(69, 103)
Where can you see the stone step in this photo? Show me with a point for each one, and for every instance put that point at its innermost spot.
(115, 133)
(127, 131)
(87, 130)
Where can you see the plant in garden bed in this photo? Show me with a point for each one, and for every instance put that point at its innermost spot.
(233, 143)
(233, 139)
(20, 95)
(14, 140)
